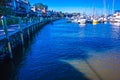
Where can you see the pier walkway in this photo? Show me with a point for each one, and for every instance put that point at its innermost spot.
(15, 35)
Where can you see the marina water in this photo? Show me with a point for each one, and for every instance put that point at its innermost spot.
(68, 51)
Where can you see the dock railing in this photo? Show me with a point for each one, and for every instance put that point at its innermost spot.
(14, 30)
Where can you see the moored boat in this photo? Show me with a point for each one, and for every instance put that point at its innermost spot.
(81, 21)
(94, 21)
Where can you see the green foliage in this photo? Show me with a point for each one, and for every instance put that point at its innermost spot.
(10, 20)
(61, 14)
(3, 2)
(41, 6)
(0, 23)
(6, 11)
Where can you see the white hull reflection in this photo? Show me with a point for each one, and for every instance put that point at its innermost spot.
(82, 25)
(115, 24)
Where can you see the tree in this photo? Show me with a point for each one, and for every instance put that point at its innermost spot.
(61, 14)
(5, 10)
(41, 6)
(3, 2)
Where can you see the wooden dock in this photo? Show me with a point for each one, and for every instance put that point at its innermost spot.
(19, 37)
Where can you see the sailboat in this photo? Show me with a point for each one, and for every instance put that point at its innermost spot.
(105, 15)
(103, 18)
(82, 19)
(94, 19)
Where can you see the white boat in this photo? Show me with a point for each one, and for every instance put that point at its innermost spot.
(81, 21)
(75, 20)
(115, 18)
(102, 19)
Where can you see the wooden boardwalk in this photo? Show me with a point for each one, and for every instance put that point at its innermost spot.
(17, 34)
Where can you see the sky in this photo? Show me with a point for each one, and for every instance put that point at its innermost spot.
(87, 6)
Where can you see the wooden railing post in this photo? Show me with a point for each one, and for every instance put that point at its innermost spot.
(51, 18)
(35, 26)
(32, 24)
(39, 19)
(4, 24)
(28, 26)
(21, 30)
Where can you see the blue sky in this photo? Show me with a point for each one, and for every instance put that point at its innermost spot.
(79, 5)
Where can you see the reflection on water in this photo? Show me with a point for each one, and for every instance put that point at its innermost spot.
(68, 51)
(115, 24)
(82, 25)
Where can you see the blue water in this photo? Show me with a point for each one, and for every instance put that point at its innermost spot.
(68, 51)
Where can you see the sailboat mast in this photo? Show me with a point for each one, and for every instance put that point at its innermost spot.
(94, 12)
(104, 7)
(113, 6)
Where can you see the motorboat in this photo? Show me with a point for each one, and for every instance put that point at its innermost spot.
(81, 21)
(115, 18)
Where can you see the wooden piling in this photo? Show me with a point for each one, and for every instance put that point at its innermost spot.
(4, 24)
(28, 28)
(21, 30)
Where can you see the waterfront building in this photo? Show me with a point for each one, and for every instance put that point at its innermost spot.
(19, 7)
(22, 7)
(40, 9)
(37, 11)
(7, 3)
(7, 7)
